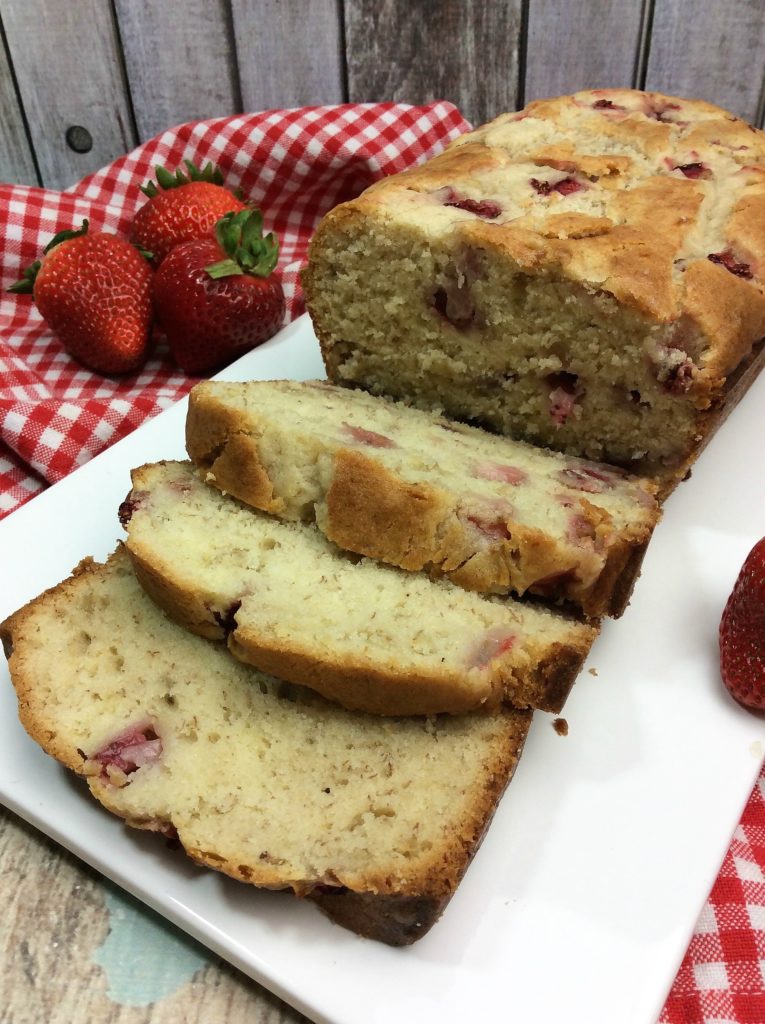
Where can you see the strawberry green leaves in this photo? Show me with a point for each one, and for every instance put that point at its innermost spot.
(240, 235)
(166, 180)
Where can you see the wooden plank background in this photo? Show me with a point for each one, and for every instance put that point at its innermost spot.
(55, 920)
(124, 70)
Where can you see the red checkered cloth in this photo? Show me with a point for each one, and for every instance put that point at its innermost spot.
(295, 165)
(722, 977)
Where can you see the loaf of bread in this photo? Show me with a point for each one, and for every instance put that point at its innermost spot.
(376, 819)
(414, 490)
(369, 636)
(586, 274)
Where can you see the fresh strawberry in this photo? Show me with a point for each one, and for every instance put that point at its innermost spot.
(215, 298)
(181, 207)
(94, 291)
(742, 633)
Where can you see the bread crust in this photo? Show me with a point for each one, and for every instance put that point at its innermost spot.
(14, 631)
(369, 509)
(407, 918)
(230, 455)
(736, 386)
(372, 900)
(676, 239)
(372, 511)
(366, 685)
(358, 682)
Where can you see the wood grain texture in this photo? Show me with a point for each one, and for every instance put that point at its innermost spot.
(54, 919)
(709, 50)
(415, 51)
(180, 61)
(67, 62)
(290, 53)
(588, 45)
(16, 162)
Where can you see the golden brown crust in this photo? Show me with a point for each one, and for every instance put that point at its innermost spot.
(18, 633)
(372, 899)
(612, 590)
(357, 681)
(364, 685)
(557, 671)
(667, 218)
(735, 320)
(371, 510)
(227, 453)
(736, 386)
(195, 612)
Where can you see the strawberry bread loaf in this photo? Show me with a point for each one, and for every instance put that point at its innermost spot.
(375, 819)
(586, 274)
(369, 636)
(418, 491)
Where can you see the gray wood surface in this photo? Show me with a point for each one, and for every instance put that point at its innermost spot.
(16, 161)
(415, 51)
(710, 50)
(128, 69)
(67, 62)
(55, 918)
(590, 44)
(180, 61)
(289, 52)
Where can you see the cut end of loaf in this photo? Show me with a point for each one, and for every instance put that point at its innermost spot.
(547, 360)
(585, 274)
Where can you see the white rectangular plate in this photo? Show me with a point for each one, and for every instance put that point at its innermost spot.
(585, 892)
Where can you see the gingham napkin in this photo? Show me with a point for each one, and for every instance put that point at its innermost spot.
(295, 165)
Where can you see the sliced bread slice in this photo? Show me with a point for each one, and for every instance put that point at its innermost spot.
(375, 819)
(418, 491)
(369, 636)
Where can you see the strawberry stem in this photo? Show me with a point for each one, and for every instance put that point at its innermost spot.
(25, 286)
(165, 180)
(64, 236)
(224, 268)
(240, 236)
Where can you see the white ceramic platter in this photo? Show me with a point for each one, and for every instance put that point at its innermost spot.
(581, 902)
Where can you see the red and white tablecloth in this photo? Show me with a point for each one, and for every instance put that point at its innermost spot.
(55, 414)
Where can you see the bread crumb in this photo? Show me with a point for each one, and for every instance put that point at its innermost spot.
(593, 671)
(561, 726)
